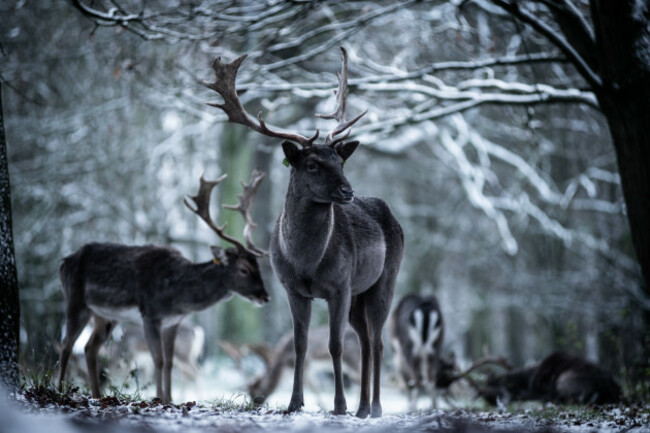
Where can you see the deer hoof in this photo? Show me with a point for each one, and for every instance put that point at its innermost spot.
(376, 411)
(295, 405)
(363, 411)
(340, 411)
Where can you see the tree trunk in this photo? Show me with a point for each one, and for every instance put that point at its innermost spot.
(9, 301)
(623, 44)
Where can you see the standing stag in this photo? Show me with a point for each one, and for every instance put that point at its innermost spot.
(328, 244)
(112, 282)
(417, 333)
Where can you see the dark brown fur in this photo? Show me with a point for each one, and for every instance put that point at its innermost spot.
(560, 378)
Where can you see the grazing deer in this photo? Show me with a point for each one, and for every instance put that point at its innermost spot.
(560, 378)
(130, 348)
(327, 244)
(417, 333)
(112, 282)
(281, 356)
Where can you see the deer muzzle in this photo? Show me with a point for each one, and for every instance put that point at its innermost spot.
(344, 194)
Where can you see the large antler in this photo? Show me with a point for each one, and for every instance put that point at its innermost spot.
(202, 203)
(244, 207)
(341, 105)
(226, 74)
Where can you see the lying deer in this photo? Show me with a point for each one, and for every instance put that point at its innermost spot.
(112, 282)
(327, 243)
(279, 357)
(417, 333)
(560, 378)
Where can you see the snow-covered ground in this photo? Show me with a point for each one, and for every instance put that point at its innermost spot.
(223, 406)
(25, 417)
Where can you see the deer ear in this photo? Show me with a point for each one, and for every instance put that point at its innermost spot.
(220, 256)
(291, 151)
(345, 150)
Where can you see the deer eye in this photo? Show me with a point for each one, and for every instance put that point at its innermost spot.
(244, 272)
(311, 166)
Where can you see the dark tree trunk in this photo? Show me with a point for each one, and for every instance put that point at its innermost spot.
(623, 47)
(9, 305)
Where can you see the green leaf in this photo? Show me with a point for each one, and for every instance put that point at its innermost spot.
(285, 161)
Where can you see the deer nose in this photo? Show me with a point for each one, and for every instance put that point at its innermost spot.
(346, 191)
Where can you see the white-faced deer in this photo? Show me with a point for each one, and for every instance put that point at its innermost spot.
(417, 333)
(279, 357)
(112, 282)
(560, 378)
(328, 244)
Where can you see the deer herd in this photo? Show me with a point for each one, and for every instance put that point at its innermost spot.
(328, 243)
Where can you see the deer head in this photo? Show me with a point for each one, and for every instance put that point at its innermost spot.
(244, 276)
(317, 168)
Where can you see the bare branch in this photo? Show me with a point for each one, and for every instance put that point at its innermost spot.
(515, 9)
(575, 28)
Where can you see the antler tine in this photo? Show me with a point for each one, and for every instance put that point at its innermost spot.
(342, 138)
(202, 202)
(226, 74)
(244, 207)
(341, 104)
(486, 360)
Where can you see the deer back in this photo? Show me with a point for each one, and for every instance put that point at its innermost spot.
(567, 378)
(560, 377)
(114, 280)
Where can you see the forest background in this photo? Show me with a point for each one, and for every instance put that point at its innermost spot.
(489, 144)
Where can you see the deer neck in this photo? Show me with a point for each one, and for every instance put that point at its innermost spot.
(305, 228)
(209, 284)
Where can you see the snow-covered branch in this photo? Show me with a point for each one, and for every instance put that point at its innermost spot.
(518, 11)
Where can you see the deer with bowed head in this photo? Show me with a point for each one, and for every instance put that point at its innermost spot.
(112, 282)
(328, 244)
(417, 332)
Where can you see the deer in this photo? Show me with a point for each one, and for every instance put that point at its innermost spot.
(328, 243)
(417, 333)
(560, 377)
(110, 282)
(130, 347)
(280, 356)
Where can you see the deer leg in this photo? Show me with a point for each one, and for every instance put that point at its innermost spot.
(360, 325)
(434, 395)
(378, 299)
(339, 311)
(76, 319)
(300, 314)
(154, 342)
(432, 368)
(101, 331)
(168, 340)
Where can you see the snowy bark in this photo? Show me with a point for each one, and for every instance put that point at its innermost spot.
(9, 305)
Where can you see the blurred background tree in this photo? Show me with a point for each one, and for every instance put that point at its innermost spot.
(485, 133)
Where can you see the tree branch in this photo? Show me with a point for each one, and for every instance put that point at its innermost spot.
(575, 28)
(513, 7)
